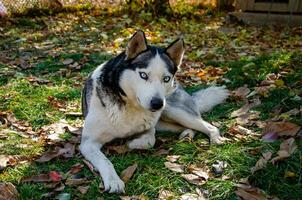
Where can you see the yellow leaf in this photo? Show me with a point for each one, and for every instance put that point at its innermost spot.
(279, 83)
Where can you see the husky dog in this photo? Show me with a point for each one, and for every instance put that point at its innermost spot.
(135, 93)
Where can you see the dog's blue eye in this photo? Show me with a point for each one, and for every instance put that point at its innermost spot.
(143, 75)
(167, 79)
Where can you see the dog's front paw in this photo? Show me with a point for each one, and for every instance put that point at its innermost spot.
(145, 142)
(216, 138)
(114, 185)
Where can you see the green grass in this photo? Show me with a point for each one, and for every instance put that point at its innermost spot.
(30, 102)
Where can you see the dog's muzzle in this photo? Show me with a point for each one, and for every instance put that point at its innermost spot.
(156, 104)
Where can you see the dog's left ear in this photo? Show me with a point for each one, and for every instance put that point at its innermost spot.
(176, 51)
(136, 45)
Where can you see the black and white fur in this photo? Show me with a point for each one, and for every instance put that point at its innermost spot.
(134, 94)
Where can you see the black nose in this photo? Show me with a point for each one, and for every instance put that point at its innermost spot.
(156, 103)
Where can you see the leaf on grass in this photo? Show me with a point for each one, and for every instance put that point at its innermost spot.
(119, 149)
(202, 173)
(134, 197)
(248, 193)
(289, 174)
(66, 152)
(75, 180)
(261, 163)
(174, 167)
(165, 195)
(67, 61)
(287, 148)
(281, 129)
(241, 92)
(191, 196)
(8, 191)
(243, 110)
(52, 176)
(75, 169)
(246, 118)
(161, 152)
(194, 179)
(172, 158)
(4, 161)
(128, 172)
(240, 130)
(270, 137)
(83, 189)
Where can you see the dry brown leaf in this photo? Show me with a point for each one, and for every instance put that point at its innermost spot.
(174, 167)
(172, 158)
(120, 149)
(52, 176)
(202, 173)
(243, 110)
(251, 194)
(4, 161)
(161, 152)
(191, 196)
(74, 181)
(66, 152)
(287, 148)
(134, 197)
(240, 130)
(83, 189)
(128, 172)
(194, 179)
(75, 169)
(261, 163)
(281, 128)
(246, 118)
(165, 195)
(8, 191)
(241, 92)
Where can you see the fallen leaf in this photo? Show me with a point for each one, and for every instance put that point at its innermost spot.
(251, 193)
(289, 174)
(194, 179)
(67, 61)
(172, 158)
(270, 137)
(55, 176)
(66, 152)
(75, 169)
(75, 180)
(241, 92)
(120, 149)
(83, 189)
(51, 176)
(4, 161)
(8, 191)
(261, 163)
(191, 196)
(134, 197)
(281, 128)
(161, 152)
(240, 130)
(174, 167)
(128, 173)
(165, 195)
(287, 148)
(63, 196)
(202, 173)
(243, 110)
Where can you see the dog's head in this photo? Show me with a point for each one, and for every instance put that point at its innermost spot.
(149, 76)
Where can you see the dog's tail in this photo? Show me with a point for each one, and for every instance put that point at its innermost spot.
(207, 98)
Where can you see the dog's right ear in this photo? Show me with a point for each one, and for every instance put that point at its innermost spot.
(136, 45)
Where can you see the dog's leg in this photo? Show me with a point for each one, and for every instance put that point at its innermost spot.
(145, 141)
(90, 148)
(194, 122)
